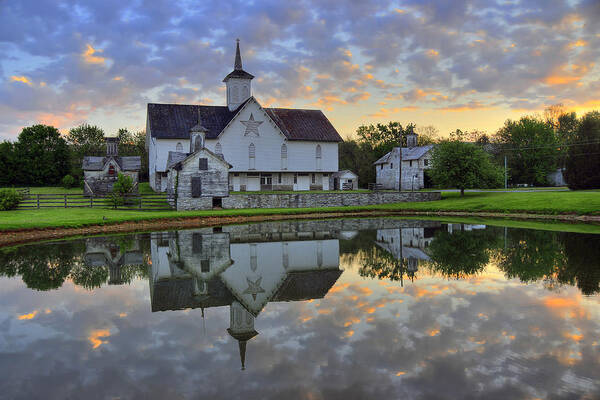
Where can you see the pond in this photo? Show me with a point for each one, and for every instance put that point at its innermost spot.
(332, 309)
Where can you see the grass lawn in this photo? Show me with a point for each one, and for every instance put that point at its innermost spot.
(553, 203)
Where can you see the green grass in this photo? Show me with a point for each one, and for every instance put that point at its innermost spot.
(550, 203)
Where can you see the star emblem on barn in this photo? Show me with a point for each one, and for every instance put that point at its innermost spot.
(254, 288)
(251, 126)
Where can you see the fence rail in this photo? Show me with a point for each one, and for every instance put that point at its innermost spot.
(142, 202)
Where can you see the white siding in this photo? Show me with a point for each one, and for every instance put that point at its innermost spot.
(301, 154)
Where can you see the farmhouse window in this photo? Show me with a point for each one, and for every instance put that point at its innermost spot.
(411, 163)
(203, 164)
(391, 165)
(313, 179)
(218, 149)
(196, 186)
(279, 178)
(426, 162)
(295, 178)
(179, 147)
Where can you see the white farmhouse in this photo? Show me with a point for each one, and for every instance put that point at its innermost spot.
(268, 148)
(408, 163)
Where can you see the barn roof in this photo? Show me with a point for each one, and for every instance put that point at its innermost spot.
(408, 154)
(129, 163)
(174, 121)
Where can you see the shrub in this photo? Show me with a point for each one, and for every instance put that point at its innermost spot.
(68, 181)
(9, 199)
(121, 188)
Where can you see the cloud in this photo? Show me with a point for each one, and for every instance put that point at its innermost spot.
(111, 58)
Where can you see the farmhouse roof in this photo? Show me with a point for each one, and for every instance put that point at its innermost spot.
(174, 121)
(408, 154)
(129, 163)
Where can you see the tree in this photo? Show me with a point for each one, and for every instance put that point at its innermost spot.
(121, 188)
(84, 140)
(8, 164)
(583, 157)
(531, 148)
(134, 144)
(359, 158)
(460, 165)
(42, 154)
(461, 253)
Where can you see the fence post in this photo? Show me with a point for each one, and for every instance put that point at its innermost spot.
(65, 201)
(140, 198)
(91, 201)
(38, 201)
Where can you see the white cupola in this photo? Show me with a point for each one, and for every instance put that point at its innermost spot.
(238, 82)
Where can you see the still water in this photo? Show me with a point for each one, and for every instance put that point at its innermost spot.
(336, 309)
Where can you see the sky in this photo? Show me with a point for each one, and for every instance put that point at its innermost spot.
(452, 64)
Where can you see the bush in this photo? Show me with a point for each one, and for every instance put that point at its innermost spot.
(121, 188)
(9, 199)
(68, 181)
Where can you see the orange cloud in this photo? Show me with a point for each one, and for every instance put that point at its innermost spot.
(95, 336)
(433, 332)
(118, 78)
(565, 75)
(474, 105)
(432, 53)
(31, 315)
(21, 79)
(90, 58)
(578, 43)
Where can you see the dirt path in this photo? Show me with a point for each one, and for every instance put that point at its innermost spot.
(10, 238)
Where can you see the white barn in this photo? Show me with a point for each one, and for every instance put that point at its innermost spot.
(268, 148)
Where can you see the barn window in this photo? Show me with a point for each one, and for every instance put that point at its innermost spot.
(218, 149)
(252, 155)
(196, 186)
(411, 163)
(203, 164)
(111, 170)
(284, 155)
(279, 178)
(318, 151)
(391, 165)
(313, 179)
(179, 147)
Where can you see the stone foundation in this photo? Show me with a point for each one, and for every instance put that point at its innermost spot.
(311, 200)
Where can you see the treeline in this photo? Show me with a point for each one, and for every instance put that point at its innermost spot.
(554, 258)
(534, 147)
(42, 156)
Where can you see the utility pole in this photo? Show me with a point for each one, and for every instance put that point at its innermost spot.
(505, 174)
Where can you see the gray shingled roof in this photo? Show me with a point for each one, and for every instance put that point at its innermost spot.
(408, 154)
(175, 157)
(174, 121)
(129, 163)
(307, 285)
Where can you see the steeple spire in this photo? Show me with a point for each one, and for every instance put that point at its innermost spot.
(242, 345)
(238, 58)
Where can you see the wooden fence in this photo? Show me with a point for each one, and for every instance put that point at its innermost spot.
(143, 202)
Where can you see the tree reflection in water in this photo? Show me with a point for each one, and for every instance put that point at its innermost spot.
(452, 250)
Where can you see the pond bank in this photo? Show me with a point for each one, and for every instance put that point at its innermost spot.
(20, 236)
